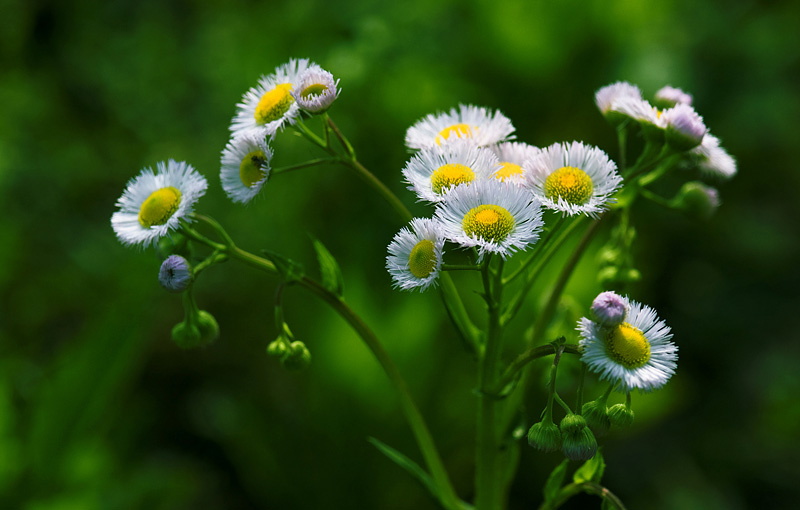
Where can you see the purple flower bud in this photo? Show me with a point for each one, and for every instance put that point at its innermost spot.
(685, 128)
(609, 309)
(175, 274)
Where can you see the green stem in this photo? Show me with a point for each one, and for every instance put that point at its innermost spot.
(579, 393)
(530, 355)
(563, 404)
(655, 198)
(622, 138)
(538, 249)
(460, 267)
(572, 489)
(380, 187)
(309, 163)
(342, 139)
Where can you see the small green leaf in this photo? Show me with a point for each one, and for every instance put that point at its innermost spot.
(328, 268)
(554, 481)
(409, 465)
(591, 470)
(290, 270)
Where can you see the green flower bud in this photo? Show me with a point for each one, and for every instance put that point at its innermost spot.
(579, 445)
(545, 436)
(209, 329)
(277, 348)
(696, 200)
(596, 415)
(620, 415)
(296, 357)
(572, 423)
(186, 336)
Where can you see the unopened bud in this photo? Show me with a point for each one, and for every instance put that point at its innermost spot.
(609, 309)
(596, 416)
(580, 445)
(685, 128)
(620, 415)
(696, 200)
(297, 356)
(545, 436)
(186, 336)
(175, 274)
(209, 329)
(572, 423)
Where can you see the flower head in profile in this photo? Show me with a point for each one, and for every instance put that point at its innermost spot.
(433, 172)
(316, 90)
(476, 124)
(154, 203)
(573, 178)
(713, 160)
(269, 106)
(606, 96)
(493, 216)
(511, 156)
(684, 127)
(245, 167)
(668, 97)
(647, 115)
(635, 354)
(415, 255)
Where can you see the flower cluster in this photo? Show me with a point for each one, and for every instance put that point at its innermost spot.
(489, 192)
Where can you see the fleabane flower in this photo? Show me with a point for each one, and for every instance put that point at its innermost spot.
(573, 178)
(647, 115)
(684, 127)
(493, 216)
(316, 90)
(605, 97)
(154, 203)
(713, 160)
(245, 167)
(434, 171)
(269, 106)
(511, 156)
(636, 354)
(476, 124)
(668, 96)
(175, 274)
(415, 255)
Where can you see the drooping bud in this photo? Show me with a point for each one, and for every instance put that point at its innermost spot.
(175, 274)
(596, 415)
(620, 415)
(297, 356)
(580, 445)
(545, 436)
(696, 200)
(208, 327)
(572, 423)
(186, 335)
(609, 309)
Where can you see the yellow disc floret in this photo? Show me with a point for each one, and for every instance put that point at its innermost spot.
(451, 174)
(628, 346)
(422, 260)
(456, 129)
(569, 183)
(159, 206)
(507, 169)
(274, 104)
(315, 89)
(488, 222)
(251, 169)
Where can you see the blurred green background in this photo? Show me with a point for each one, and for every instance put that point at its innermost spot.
(99, 410)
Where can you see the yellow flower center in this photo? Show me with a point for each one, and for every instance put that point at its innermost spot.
(456, 129)
(274, 104)
(250, 170)
(507, 169)
(315, 89)
(422, 260)
(570, 183)
(488, 222)
(159, 206)
(451, 174)
(628, 346)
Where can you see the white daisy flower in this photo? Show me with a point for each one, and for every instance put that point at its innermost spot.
(471, 122)
(316, 91)
(670, 96)
(267, 107)
(573, 178)
(511, 156)
(153, 204)
(415, 256)
(636, 354)
(245, 167)
(435, 171)
(647, 115)
(605, 97)
(713, 160)
(493, 216)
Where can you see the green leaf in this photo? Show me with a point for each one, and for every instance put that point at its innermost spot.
(409, 465)
(290, 270)
(591, 470)
(328, 268)
(553, 485)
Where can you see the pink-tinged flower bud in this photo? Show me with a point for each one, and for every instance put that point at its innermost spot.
(668, 97)
(685, 128)
(609, 309)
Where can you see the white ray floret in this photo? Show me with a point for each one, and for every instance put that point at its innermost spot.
(476, 124)
(245, 167)
(605, 97)
(713, 160)
(269, 106)
(512, 156)
(493, 216)
(316, 90)
(671, 96)
(573, 178)
(154, 203)
(415, 255)
(434, 171)
(637, 354)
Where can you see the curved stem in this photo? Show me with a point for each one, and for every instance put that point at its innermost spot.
(306, 164)
(530, 355)
(572, 489)
(380, 187)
